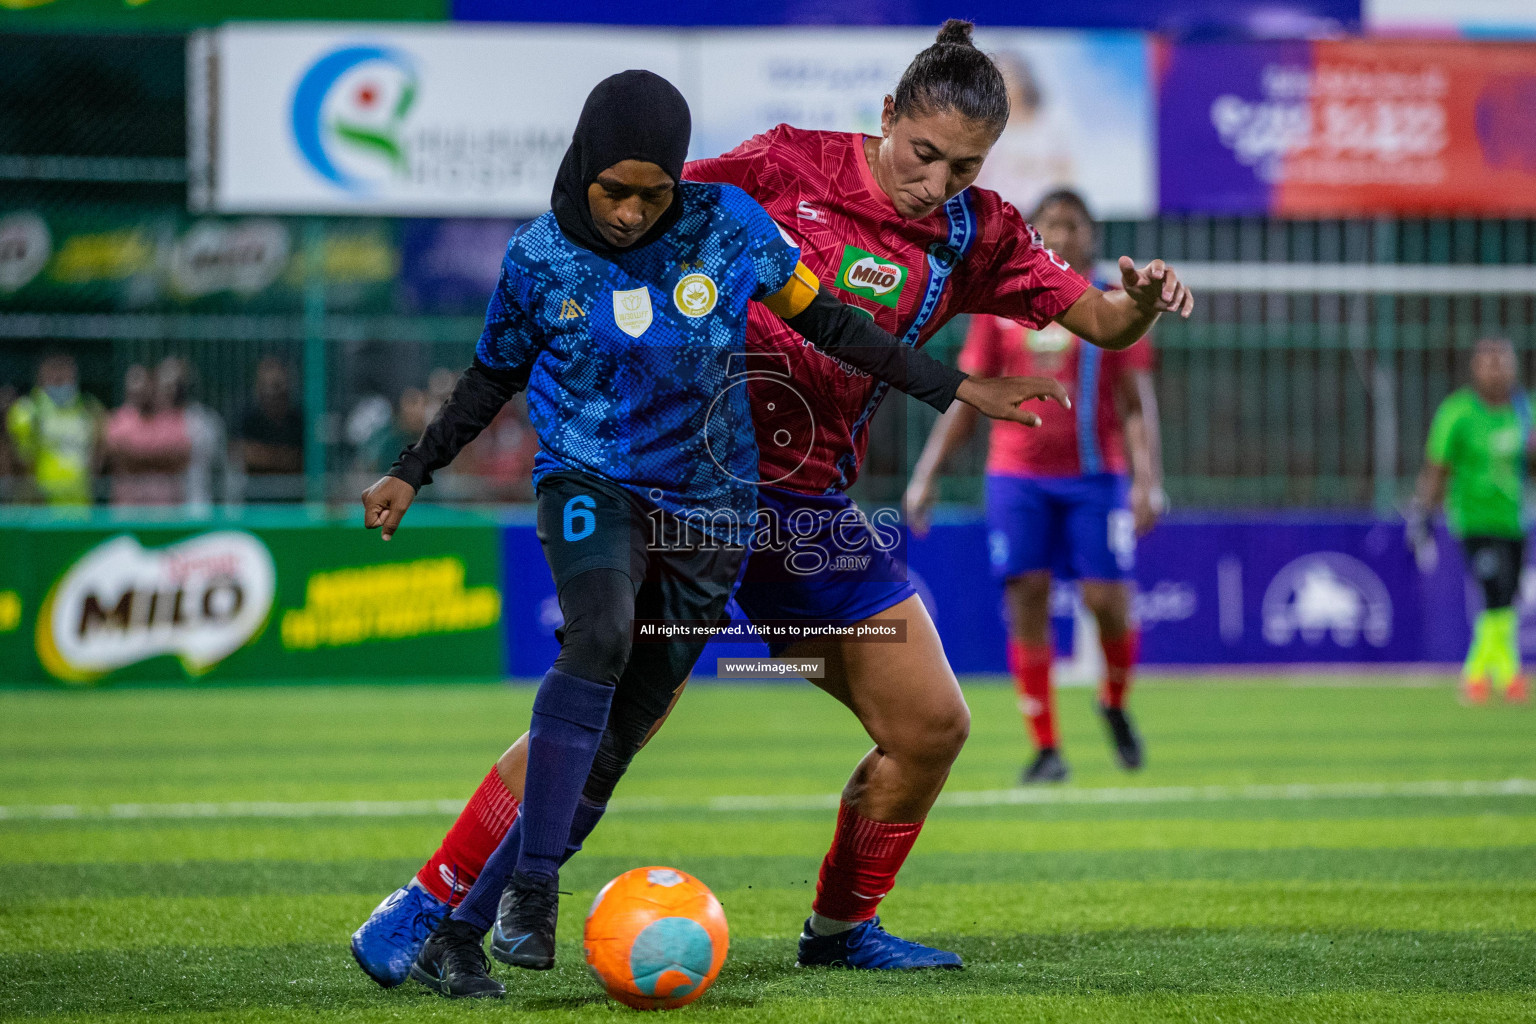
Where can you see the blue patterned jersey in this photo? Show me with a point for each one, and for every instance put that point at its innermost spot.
(629, 355)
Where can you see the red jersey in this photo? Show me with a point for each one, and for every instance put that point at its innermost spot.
(973, 255)
(1087, 439)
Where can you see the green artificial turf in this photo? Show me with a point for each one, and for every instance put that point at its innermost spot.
(1394, 900)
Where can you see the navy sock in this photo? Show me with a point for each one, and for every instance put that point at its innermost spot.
(480, 904)
(569, 714)
(582, 823)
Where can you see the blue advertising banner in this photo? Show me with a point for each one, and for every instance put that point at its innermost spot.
(1211, 591)
(1258, 17)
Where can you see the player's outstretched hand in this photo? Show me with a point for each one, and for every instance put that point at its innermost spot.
(384, 504)
(917, 501)
(998, 398)
(1156, 287)
(1421, 541)
(1148, 503)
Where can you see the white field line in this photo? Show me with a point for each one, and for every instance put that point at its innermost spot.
(1164, 794)
(802, 802)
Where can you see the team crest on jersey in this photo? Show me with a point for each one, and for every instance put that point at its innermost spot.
(695, 295)
(864, 273)
(632, 311)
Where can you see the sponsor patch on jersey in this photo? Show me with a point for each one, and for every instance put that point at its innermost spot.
(695, 295)
(632, 311)
(864, 273)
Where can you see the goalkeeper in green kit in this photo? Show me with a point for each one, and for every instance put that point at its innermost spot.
(1475, 463)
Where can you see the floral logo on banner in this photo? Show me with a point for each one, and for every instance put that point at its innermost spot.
(349, 112)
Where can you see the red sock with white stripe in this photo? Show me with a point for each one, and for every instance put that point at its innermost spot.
(859, 870)
(1031, 668)
(1119, 659)
(487, 817)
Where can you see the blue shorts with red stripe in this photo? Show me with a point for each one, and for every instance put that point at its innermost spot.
(817, 558)
(1077, 527)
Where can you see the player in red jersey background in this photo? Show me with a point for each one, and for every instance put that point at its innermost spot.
(1066, 499)
(891, 225)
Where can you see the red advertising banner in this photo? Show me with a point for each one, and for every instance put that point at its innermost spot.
(1349, 128)
(1417, 128)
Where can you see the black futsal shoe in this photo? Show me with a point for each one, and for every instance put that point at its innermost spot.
(452, 963)
(1123, 737)
(1046, 767)
(524, 935)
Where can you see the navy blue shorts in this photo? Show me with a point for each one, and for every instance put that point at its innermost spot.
(1077, 527)
(817, 557)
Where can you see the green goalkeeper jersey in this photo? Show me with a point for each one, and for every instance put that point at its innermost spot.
(1484, 448)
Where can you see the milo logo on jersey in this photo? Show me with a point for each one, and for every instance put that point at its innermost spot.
(864, 273)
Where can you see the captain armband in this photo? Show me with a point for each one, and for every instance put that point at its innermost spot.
(796, 295)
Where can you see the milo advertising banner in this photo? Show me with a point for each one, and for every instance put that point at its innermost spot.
(86, 607)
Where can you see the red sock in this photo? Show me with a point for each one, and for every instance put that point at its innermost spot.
(1031, 667)
(1119, 660)
(472, 839)
(861, 866)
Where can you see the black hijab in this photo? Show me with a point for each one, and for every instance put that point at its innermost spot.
(634, 115)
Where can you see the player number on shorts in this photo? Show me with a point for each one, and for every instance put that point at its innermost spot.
(579, 520)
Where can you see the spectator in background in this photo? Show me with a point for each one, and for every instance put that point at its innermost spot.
(147, 447)
(174, 384)
(378, 432)
(502, 456)
(8, 468)
(439, 386)
(56, 430)
(271, 437)
(1034, 153)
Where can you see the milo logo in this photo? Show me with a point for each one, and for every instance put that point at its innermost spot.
(864, 273)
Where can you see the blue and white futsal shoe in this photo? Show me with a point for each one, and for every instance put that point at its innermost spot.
(869, 947)
(388, 942)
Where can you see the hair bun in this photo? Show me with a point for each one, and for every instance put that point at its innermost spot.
(957, 32)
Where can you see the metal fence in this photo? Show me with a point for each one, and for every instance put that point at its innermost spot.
(1307, 376)
(1315, 359)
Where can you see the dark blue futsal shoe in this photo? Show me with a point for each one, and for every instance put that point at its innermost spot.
(869, 947)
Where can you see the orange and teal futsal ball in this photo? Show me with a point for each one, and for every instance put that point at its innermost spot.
(656, 938)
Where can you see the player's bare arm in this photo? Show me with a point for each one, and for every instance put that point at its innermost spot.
(996, 397)
(1116, 320)
(1136, 402)
(1428, 496)
(951, 431)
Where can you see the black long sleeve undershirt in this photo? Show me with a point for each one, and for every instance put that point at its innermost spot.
(845, 332)
(477, 397)
(831, 326)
